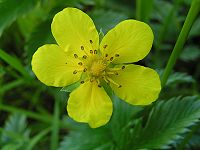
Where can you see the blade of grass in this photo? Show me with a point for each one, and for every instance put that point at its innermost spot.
(138, 9)
(30, 114)
(12, 85)
(15, 63)
(37, 138)
(192, 14)
(55, 124)
(144, 10)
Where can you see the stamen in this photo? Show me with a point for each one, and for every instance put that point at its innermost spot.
(111, 58)
(105, 46)
(110, 73)
(85, 69)
(106, 79)
(123, 67)
(82, 48)
(75, 55)
(116, 73)
(95, 51)
(82, 82)
(84, 56)
(116, 55)
(80, 63)
(113, 82)
(65, 63)
(114, 69)
(98, 82)
(119, 86)
(91, 51)
(91, 41)
(75, 72)
(106, 55)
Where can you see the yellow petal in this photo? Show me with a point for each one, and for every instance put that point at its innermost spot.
(53, 67)
(90, 104)
(74, 31)
(130, 39)
(139, 85)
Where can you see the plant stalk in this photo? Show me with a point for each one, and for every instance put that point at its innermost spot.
(190, 19)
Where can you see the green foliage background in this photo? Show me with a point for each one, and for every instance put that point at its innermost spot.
(33, 116)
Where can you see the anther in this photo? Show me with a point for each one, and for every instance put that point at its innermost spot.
(116, 55)
(111, 58)
(95, 51)
(116, 73)
(80, 63)
(84, 56)
(65, 63)
(91, 41)
(91, 51)
(75, 72)
(119, 86)
(82, 48)
(75, 55)
(99, 85)
(106, 55)
(123, 67)
(105, 46)
(82, 82)
(85, 69)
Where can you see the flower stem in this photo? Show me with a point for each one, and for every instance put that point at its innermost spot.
(193, 12)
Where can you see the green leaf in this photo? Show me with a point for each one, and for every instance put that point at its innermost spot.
(179, 77)
(75, 85)
(10, 10)
(70, 87)
(110, 136)
(37, 39)
(167, 122)
(14, 62)
(15, 133)
(87, 139)
(31, 20)
(11, 146)
(195, 28)
(101, 35)
(190, 53)
(106, 20)
(37, 138)
(194, 141)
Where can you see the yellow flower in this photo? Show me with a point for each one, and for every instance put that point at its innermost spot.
(79, 57)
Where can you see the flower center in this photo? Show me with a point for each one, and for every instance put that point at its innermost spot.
(97, 68)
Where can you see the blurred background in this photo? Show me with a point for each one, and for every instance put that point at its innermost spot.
(34, 116)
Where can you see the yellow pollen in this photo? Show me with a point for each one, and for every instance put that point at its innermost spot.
(97, 68)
